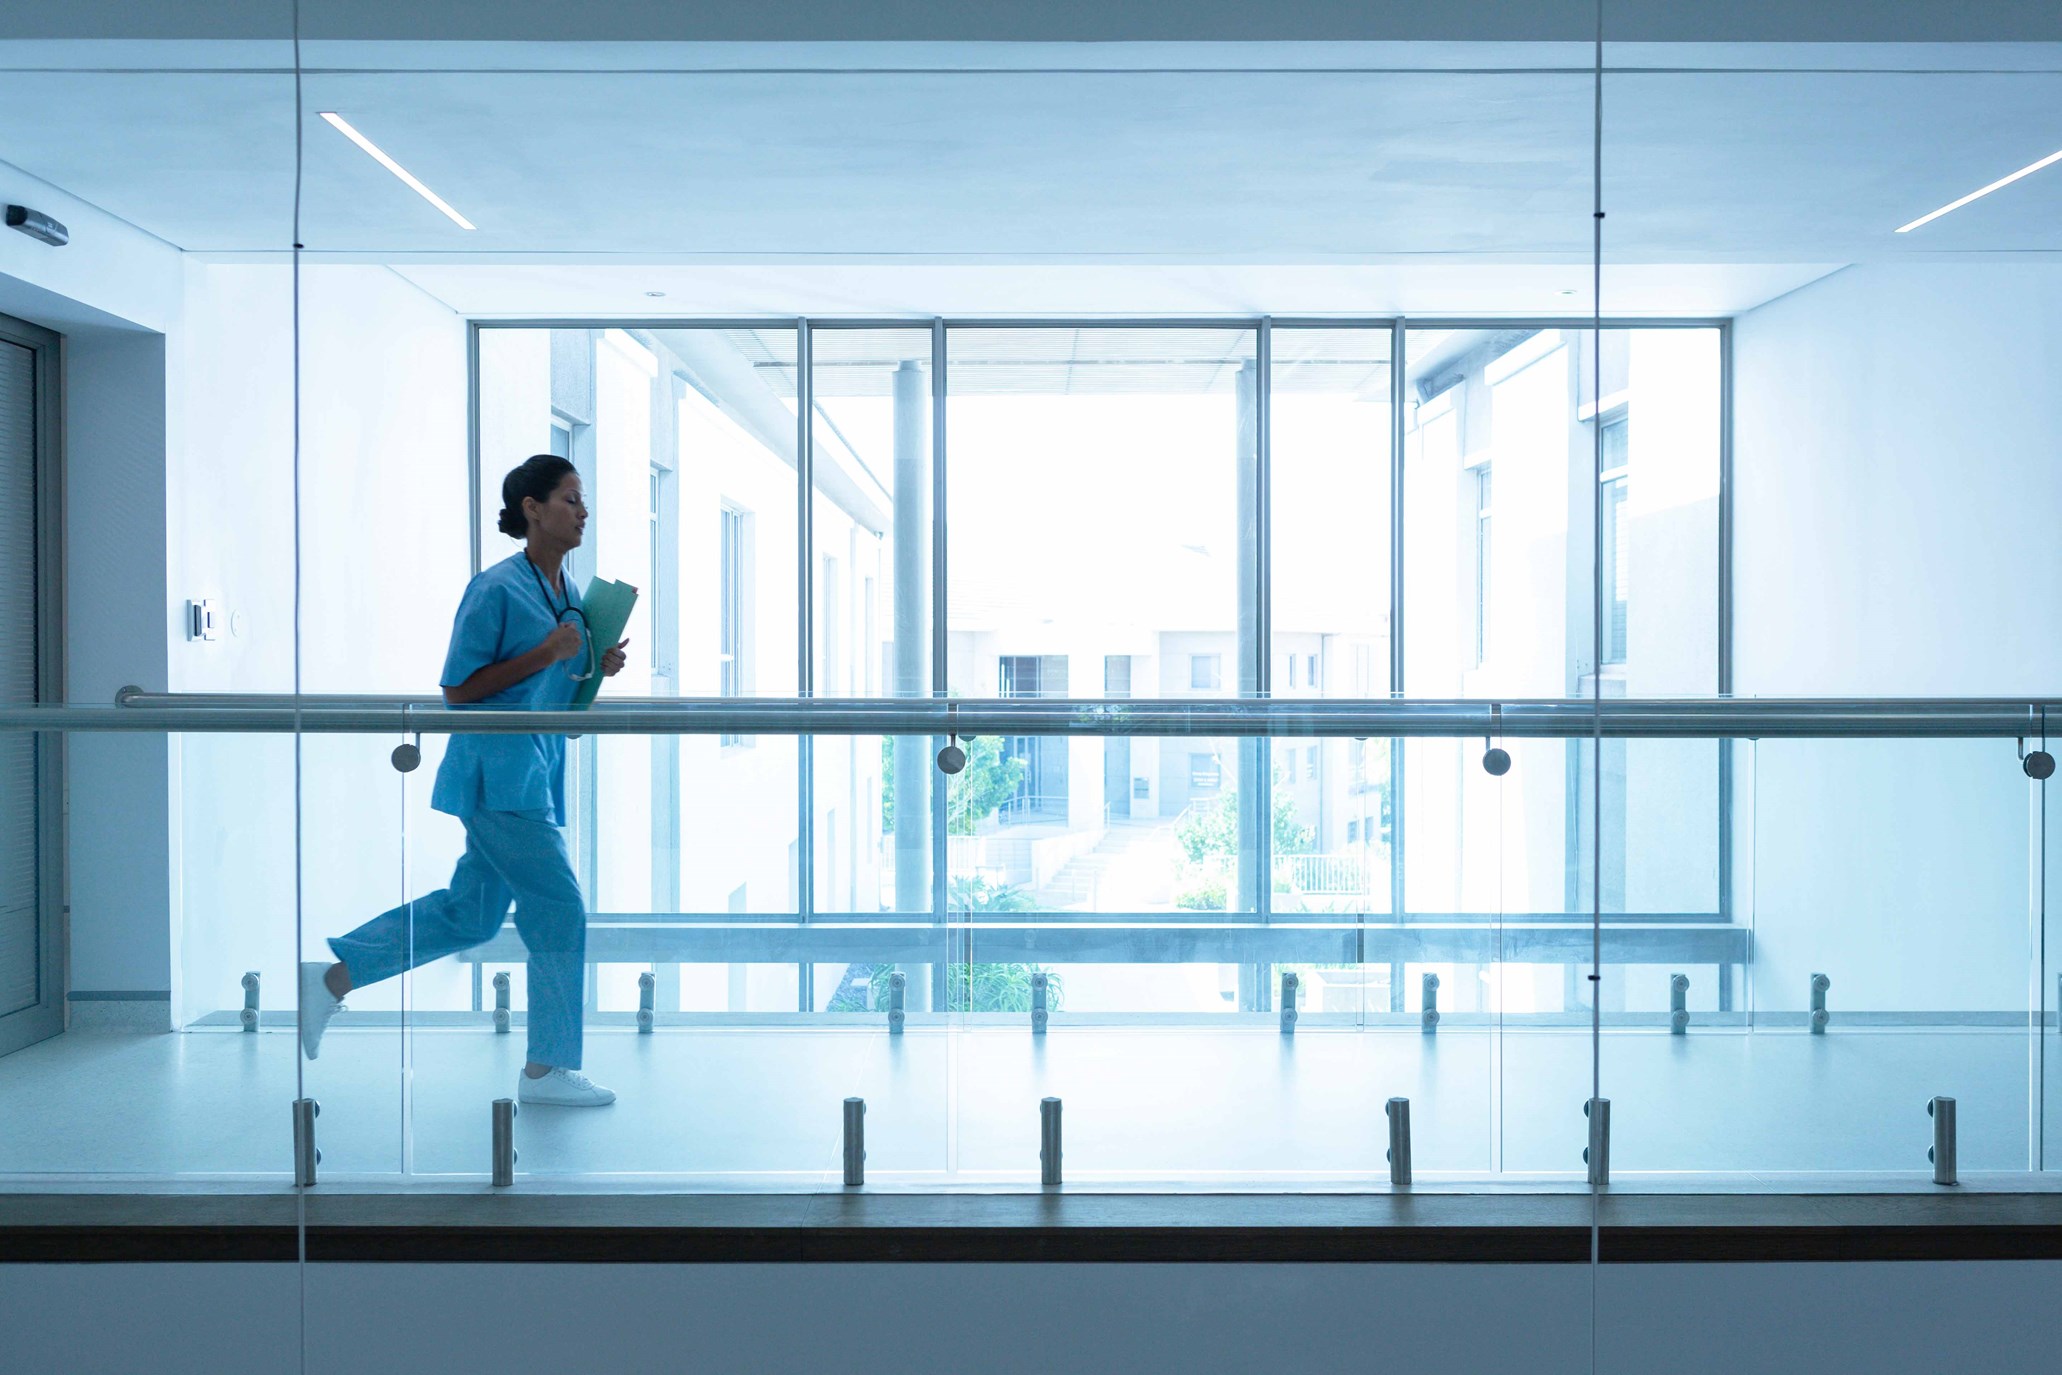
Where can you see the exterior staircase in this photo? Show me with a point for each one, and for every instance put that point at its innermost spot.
(1131, 868)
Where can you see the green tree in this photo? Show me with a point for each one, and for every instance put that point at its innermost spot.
(976, 894)
(968, 988)
(1214, 829)
(974, 793)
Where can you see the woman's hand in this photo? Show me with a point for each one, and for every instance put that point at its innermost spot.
(612, 662)
(562, 643)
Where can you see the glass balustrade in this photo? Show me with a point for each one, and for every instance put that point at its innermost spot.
(1805, 931)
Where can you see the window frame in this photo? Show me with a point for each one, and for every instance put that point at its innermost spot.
(939, 329)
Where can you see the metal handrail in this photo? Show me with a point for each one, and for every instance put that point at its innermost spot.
(1534, 718)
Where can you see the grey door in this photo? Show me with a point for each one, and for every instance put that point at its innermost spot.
(29, 810)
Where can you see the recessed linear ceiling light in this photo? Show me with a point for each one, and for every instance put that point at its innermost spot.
(378, 155)
(2025, 171)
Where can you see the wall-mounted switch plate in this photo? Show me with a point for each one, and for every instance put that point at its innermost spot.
(203, 621)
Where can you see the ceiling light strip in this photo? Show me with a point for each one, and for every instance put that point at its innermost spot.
(378, 154)
(2025, 171)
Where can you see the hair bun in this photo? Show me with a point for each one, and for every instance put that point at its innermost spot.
(512, 523)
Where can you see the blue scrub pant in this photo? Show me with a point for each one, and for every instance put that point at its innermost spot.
(509, 857)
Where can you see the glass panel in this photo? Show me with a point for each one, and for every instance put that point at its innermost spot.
(1492, 942)
(871, 524)
(1860, 565)
(358, 907)
(1898, 870)
(114, 1094)
(1329, 445)
(1158, 428)
(1329, 471)
(1501, 444)
(1135, 451)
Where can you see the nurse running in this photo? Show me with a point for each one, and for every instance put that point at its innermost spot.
(520, 643)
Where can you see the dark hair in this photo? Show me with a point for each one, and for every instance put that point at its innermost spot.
(536, 476)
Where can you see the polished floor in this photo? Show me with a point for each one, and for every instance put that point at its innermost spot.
(1179, 1106)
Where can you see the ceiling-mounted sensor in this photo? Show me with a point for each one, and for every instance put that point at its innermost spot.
(38, 226)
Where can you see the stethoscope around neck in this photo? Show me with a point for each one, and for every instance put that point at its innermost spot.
(559, 614)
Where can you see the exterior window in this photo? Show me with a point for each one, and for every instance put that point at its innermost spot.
(1310, 670)
(1613, 470)
(1289, 765)
(1044, 784)
(1206, 672)
(1292, 670)
(1141, 788)
(1353, 832)
(1482, 564)
(833, 629)
(1116, 675)
(730, 595)
(655, 584)
(866, 634)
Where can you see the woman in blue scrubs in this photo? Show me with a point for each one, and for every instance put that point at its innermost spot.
(520, 643)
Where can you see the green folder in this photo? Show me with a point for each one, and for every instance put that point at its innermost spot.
(608, 606)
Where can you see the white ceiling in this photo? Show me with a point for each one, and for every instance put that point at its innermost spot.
(541, 290)
(1208, 178)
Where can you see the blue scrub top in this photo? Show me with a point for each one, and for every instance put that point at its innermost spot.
(505, 614)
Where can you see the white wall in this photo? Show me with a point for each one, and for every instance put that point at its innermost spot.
(119, 807)
(1896, 484)
(113, 293)
(1896, 492)
(384, 556)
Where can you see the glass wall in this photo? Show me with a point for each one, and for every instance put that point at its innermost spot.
(1227, 586)
(1792, 452)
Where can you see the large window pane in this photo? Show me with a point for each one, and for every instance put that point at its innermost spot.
(1503, 494)
(872, 402)
(1329, 471)
(1103, 498)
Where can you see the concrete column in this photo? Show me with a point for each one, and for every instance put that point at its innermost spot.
(913, 763)
(1256, 801)
(1254, 806)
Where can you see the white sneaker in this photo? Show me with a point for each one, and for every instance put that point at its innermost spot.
(565, 1088)
(318, 1005)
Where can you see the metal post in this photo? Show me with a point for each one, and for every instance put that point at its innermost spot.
(1429, 1014)
(1679, 1004)
(250, 1001)
(805, 643)
(1039, 1014)
(1290, 983)
(855, 1142)
(1049, 1141)
(935, 991)
(1399, 902)
(1399, 1140)
(1819, 1016)
(1942, 1111)
(897, 982)
(646, 985)
(501, 1003)
(1597, 1155)
(504, 1142)
(306, 1157)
